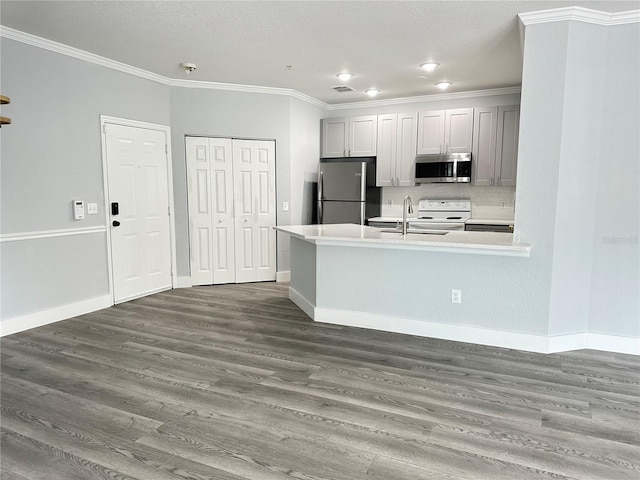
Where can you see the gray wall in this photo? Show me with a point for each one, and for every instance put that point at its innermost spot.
(50, 155)
(615, 301)
(578, 174)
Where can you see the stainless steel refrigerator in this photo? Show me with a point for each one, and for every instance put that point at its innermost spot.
(347, 191)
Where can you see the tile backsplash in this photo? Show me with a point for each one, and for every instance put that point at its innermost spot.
(486, 202)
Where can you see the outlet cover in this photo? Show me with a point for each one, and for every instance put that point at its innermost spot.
(285, 206)
(456, 296)
(92, 208)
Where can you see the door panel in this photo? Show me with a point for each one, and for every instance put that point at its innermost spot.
(406, 144)
(431, 132)
(137, 179)
(254, 173)
(458, 130)
(210, 170)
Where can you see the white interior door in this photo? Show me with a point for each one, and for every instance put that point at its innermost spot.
(210, 185)
(137, 180)
(255, 215)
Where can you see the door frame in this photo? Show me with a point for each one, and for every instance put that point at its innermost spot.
(104, 120)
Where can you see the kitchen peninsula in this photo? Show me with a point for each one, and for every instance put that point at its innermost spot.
(367, 277)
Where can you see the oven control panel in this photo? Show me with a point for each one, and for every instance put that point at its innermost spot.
(462, 205)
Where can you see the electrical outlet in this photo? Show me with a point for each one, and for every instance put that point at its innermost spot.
(503, 204)
(285, 206)
(456, 296)
(389, 203)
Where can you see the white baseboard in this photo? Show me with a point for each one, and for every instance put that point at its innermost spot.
(183, 282)
(566, 343)
(12, 325)
(459, 333)
(613, 343)
(305, 305)
(283, 276)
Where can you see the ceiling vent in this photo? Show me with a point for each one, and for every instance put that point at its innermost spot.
(343, 88)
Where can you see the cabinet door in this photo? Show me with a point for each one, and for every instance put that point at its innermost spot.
(335, 135)
(507, 145)
(458, 131)
(431, 132)
(483, 153)
(386, 161)
(406, 148)
(362, 136)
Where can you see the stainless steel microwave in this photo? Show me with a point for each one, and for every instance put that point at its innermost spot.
(443, 168)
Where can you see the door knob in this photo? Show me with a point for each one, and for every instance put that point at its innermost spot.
(116, 223)
(246, 220)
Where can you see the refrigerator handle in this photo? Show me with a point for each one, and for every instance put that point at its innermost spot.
(363, 183)
(320, 195)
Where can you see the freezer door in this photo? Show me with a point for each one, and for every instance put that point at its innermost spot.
(341, 212)
(342, 181)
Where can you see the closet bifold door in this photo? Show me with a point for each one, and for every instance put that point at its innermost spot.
(210, 200)
(254, 205)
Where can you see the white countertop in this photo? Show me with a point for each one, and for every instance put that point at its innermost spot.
(488, 243)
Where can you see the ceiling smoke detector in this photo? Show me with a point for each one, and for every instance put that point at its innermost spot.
(189, 67)
(343, 88)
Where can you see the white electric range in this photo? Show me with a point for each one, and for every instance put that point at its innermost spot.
(442, 214)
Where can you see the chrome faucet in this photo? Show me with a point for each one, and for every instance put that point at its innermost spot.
(407, 207)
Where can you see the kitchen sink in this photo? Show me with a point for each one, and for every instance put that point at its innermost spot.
(417, 230)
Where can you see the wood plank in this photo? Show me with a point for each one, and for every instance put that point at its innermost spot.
(234, 382)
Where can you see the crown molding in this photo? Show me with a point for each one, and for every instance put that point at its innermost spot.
(426, 98)
(56, 47)
(580, 14)
(73, 52)
(235, 87)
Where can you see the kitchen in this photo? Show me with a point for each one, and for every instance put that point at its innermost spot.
(389, 154)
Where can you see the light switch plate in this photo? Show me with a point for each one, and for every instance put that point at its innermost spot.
(285, 206)
(92, 208)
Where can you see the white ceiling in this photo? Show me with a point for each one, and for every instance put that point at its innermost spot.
(382, 43)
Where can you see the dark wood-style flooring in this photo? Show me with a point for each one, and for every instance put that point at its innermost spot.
(235, 382)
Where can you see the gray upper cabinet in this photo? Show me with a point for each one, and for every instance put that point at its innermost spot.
(445, 131)
(396, 150)
(507, 145)
(349, 136)
(495, 145)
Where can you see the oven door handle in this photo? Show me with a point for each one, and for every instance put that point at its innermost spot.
(436, 226)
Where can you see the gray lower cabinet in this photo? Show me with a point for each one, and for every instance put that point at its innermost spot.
(488, 227)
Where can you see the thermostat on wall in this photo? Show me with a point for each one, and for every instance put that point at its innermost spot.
(78, 209)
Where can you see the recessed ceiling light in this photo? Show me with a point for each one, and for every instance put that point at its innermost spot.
(429, 66)
(443, 85)
(344, 76)
(372, 92)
